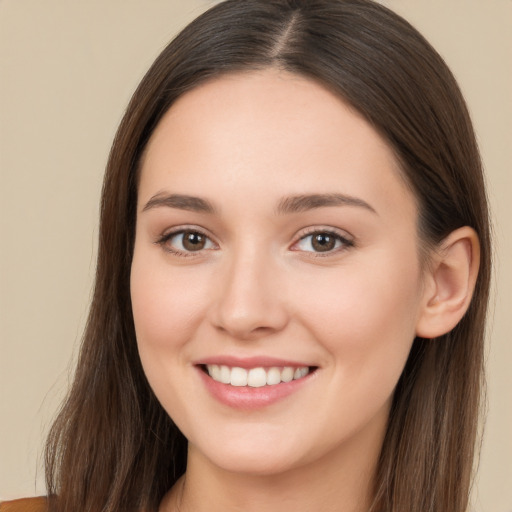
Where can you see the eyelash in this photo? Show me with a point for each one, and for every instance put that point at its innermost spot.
(164, 239)
(344, 242)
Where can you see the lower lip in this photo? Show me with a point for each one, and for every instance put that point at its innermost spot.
(246, 397)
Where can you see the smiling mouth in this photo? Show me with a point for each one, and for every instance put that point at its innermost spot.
(256, 377)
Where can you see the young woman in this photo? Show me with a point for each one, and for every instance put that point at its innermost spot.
(292, 277)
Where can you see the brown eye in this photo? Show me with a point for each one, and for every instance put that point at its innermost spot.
(322, 242)
(186, 241)
(193, 241)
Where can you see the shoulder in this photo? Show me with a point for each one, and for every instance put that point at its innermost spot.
(25, 505)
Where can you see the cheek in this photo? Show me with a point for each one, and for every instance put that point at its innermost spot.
(166, 307)
(365, 316)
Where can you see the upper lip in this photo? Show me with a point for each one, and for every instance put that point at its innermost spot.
(250, 362)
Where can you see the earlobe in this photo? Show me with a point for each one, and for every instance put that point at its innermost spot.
(451, 282)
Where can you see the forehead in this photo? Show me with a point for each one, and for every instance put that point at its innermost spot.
(270, 129)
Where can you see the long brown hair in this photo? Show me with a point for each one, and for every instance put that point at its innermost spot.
(113, 447)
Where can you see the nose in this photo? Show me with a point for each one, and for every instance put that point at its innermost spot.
(251, 299)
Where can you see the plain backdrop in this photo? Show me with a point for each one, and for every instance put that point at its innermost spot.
(67, 70)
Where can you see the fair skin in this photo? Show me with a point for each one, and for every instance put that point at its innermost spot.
(274, 231)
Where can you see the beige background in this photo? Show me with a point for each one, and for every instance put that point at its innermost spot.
(67, 71)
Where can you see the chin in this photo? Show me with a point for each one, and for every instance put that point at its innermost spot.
(256, 465)
(255, 458)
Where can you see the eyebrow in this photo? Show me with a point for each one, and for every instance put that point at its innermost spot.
(287, 205)
(181, 202)
(301, 203)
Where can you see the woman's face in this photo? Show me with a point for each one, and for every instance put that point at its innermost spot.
(275, 240)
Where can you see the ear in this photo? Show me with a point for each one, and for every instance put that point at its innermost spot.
(450, 282)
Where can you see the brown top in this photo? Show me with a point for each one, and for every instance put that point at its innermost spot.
(24, 505)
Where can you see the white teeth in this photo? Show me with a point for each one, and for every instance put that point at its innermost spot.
(287, 374)
(255, 377)
(215, 371)
(238, 377)
(273, 376)
(301, 372)
(225, 375)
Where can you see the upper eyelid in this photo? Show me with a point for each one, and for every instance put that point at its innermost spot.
(176, 230)
(324, 229)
